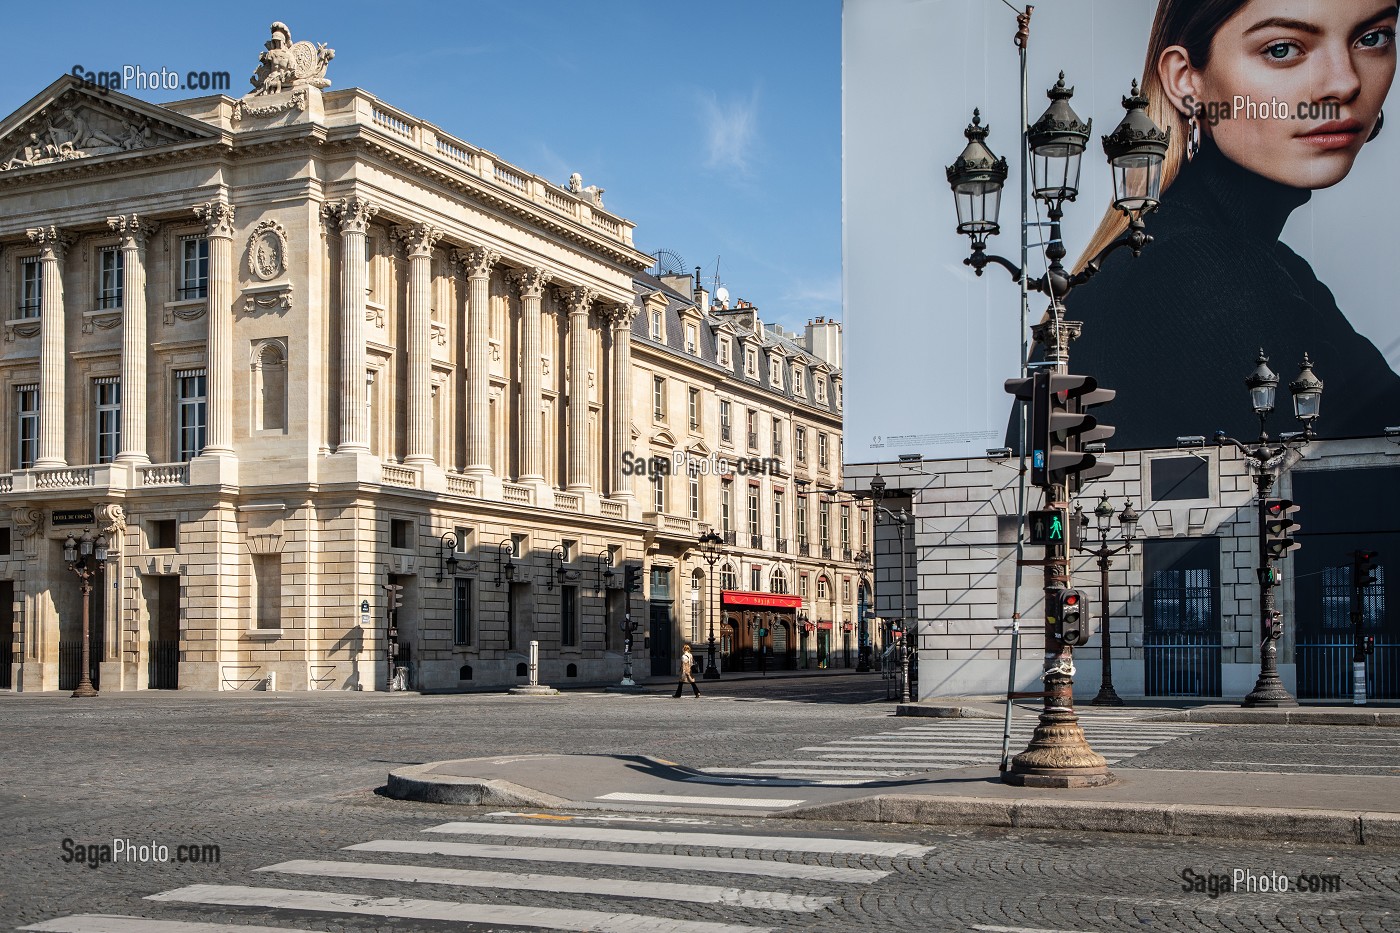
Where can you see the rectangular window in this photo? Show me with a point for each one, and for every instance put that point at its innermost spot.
(693, 404)
(191, 412)
(31, 286)
(724, 422)
(846, 527)
(724, 351)
(821, 451)
(694, 496)
(753, 429)
(519, 545)
(800, 444)
(751, 362)
(4, 542)
(845, 589)
(462, 621)
(779, 507)
(26, 426)
(797, 387)
(802, 586)
(1179, 478)
(726, 506)
(107, 405)
(658, 398)
(754, 524)
(777, 438)
(801, 519)
(775, 371)
(655, 325)
(110, 277)
(756, 579)
(194, 267)
(821, 388)
(162, 534)
(864, 529)
(692, 344)
(568, 616)
(400, 533)
(267, 591)
(658, 493)
(824, 524)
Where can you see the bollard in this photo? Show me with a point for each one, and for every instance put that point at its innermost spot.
(534, 664)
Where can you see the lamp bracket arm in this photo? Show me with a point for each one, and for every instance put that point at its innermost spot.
(1135, 239)
(980, 259)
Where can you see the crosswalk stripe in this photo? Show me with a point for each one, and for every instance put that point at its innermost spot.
(111, 923)
(561, 884)
(825, 773)
(805, 844)
(772, 802)
(596, 921)
(706, 863)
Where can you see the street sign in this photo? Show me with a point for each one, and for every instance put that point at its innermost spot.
(364, 612)
(1046, 526)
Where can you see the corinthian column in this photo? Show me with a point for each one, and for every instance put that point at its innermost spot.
(353, 215)
(218, 222)
(478, 262)
(134, 234)
(53, 246)
(579, 300)
(418, 241)
(531, 283)
(621, 318)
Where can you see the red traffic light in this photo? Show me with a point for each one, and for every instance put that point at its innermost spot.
(1071, 599)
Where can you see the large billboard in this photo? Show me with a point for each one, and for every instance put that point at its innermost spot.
(1277, 234)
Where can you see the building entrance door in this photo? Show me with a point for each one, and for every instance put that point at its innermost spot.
(163, 601)
(7, 634)
(660, 639)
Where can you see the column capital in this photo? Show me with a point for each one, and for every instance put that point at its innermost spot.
(530, 282)
(133, 231)
(353, 213)
(52, 242)
(418, 239)
(478, 260)
(620, 315)
(218, 218)
(578, 298)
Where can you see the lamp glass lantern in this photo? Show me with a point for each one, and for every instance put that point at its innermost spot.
(1262, 385)
(100, 549)
(1103, 513)
(1057, 142)
(1128, 518)
(977, 178)
(1137, 150)
(85, 545)
(1307, 393)
(70, 550)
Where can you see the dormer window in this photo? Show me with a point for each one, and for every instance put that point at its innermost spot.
(656, 324)
(751, 362)
(775, 369)
(692, 340)
(821, 388)
(799, 386)
(723, 351)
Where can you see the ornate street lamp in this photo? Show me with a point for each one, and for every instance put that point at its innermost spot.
(977, 177)
(1137, 150)
(709, 549)
(447, 555)
(1127, 519)
(85, 557)
(1057, 142)
(505, 561)
(1265, 459)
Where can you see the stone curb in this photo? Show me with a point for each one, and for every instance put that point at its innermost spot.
(423, 784)
(1324, 826)
(944, 712)
(1281, 717)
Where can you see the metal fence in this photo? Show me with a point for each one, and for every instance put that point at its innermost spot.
(1324, 670)
(1181, 665)
(7, 660)
(70, 659)
(165, 665)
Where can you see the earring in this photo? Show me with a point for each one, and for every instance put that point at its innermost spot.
(1380, 122)
(1193, 137)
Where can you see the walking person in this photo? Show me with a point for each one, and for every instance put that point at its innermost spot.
(687, 673)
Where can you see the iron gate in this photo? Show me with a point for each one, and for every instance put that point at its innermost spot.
(1181, 665)
(165, 665)
(7, 660)
(1324, 671)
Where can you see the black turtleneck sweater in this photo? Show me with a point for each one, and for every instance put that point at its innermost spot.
(1176, 330)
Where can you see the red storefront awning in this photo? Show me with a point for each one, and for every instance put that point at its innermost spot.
(768, 600)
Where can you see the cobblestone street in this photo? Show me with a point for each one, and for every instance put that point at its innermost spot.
(285, 779)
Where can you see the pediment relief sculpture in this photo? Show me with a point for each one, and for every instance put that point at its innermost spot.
(72, 129)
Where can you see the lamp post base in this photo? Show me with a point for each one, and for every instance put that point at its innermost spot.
(1269, 691)
(85, 689)
(711, 669)
(1058, 756)
(1106, 697)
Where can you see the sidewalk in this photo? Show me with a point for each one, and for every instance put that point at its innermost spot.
(1372, 714)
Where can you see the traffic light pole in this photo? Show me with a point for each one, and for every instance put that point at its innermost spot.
(1268, 689)
(1362, 576)
(1058, 754)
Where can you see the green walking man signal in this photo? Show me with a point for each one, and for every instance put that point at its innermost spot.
(1047, 526)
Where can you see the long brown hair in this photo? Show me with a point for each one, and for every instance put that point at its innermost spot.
(1191, 24)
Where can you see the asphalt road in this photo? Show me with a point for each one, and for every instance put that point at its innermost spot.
(272, 779)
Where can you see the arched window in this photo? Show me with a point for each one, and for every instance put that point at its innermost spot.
(779, 581)
(728, 578)
(270, 387)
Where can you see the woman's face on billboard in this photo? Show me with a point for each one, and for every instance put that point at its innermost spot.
(1293, 88)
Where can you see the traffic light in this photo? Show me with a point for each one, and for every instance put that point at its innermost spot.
(1068, 618)
(1279, 527)
(1061, 426)
(395, 595)
(632, 578)
(1364, 572)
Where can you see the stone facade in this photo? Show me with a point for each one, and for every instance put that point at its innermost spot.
(964, 556)
(309, 347)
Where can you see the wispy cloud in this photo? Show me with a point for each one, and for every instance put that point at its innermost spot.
(731, 131)
(820, 293)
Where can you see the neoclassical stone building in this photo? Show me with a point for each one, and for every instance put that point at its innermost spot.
(299, 356)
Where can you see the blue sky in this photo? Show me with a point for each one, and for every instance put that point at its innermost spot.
(713, 125)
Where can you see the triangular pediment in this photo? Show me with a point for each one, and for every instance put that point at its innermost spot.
(71, 120)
